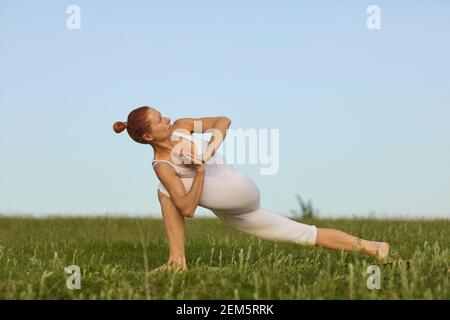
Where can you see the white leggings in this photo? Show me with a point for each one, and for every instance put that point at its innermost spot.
(235, 199)
(270, 226)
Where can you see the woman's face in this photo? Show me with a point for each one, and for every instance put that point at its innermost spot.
(160, 126)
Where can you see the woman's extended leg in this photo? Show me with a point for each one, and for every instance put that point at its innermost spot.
(270, 226)
(174, 225)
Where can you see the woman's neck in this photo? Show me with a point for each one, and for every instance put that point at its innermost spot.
(163, 149)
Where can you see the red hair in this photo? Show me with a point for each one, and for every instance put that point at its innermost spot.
(137, 124)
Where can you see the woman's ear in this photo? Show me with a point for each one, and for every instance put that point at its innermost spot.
(147, 137)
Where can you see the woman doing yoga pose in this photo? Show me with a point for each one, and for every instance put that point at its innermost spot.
(193, 174)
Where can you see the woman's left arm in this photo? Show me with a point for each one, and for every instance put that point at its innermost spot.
(217, 125)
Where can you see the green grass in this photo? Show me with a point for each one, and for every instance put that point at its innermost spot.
(110, 253)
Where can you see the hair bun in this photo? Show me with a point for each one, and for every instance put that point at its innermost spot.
(119, 126)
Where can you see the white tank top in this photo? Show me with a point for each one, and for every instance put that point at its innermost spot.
(214, 166)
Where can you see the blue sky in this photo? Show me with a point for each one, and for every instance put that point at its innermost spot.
(364, 115)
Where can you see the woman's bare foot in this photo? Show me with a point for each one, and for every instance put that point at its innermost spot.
(382, 251)
(170, 266)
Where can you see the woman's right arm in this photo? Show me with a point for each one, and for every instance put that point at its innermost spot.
(186, 203)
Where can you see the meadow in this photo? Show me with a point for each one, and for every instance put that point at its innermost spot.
(115, 256)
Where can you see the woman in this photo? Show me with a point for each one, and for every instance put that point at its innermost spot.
(192, 174)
